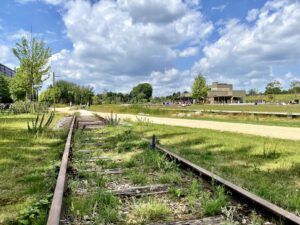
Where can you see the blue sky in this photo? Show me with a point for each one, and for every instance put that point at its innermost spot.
(113, 45)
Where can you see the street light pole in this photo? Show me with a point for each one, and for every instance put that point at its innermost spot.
(53, 85)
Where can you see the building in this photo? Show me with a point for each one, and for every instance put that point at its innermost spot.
(6, 71)
(224, 93)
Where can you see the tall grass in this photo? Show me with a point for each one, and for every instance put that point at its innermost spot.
(268, 167)
(27, 169)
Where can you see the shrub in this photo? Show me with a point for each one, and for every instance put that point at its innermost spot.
(19, 107)
(38, 124)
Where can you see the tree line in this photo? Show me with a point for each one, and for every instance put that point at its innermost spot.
(275, 87)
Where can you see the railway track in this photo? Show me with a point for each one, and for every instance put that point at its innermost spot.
(115, 178)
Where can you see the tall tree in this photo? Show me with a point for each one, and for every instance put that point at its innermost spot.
(295, 86)
(273, 87)
(34, 57)
(252, 92)
(199, 88)
(141, 92)
(66, 92)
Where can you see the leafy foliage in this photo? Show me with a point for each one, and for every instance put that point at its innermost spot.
(31, 214)
(66, 92)
(199, 88)
(4, 89)
(49, 95)
(142, 92)
(295, 87)
(18, 86)
(19, 107)
(33, 56)
(273, 88)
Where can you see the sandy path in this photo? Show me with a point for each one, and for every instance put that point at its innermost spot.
(290, 133)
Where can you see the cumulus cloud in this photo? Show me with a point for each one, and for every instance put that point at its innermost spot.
(244, 53)
(171, 80)
(188, 52)
(252, 15)
(126, 40)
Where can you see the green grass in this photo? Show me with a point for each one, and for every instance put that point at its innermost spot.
(138, 178)
(257, 108)
(275, 98)
(27, 168)
(141, 166)
(168, 110)
(150, 211)
(249, 119)
(189, 113)
(268, 167)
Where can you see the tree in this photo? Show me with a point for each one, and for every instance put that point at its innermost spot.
(66, 92)
(33, 56)
(295, 86)
(252, 92)
(19, 86)
(49, 94)
(199, 88)
(142, 92)
(4, 89)
(273, 88)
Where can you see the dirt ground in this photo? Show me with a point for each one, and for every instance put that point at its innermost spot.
(289, 133)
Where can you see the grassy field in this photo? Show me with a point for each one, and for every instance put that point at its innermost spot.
(257, 108)
(27, 169)
(268, 167)
(189, 112)
(275, 98)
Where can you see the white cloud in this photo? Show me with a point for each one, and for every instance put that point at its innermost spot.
(245, 53)
(6, 56)
(169, 81)
(18, 35)
(252, 15)
(126, 40)
(4, 51)
(219, 8)
(188, 52)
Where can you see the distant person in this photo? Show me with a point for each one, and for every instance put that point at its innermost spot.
(70, 103)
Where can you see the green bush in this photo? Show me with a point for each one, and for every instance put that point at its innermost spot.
(28, 107)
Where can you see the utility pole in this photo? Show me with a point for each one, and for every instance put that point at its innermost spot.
(53, 86)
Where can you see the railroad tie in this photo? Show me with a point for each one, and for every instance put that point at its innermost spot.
(204, 221)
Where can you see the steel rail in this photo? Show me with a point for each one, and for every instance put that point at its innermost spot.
(266, 206)
(55, 212)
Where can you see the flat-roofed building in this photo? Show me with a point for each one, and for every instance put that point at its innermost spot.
(224, 93)
(6, 71)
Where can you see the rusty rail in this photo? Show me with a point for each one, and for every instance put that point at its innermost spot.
(262, 204)
(57, 201)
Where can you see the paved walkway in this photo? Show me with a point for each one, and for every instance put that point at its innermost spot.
(289, 133)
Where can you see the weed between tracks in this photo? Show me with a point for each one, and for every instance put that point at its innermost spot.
(169, 194)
